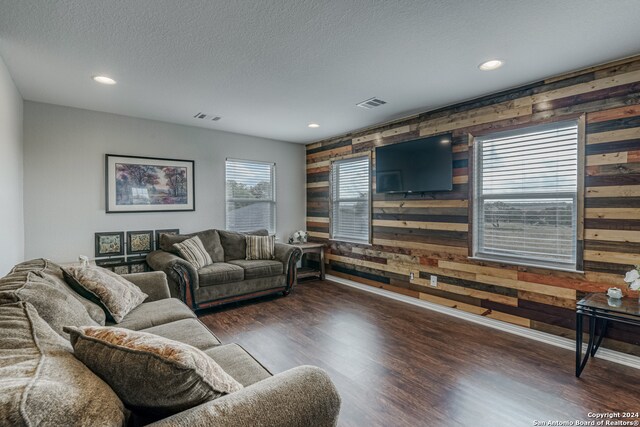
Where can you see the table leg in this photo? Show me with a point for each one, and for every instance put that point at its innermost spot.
(321, 263)
(578, 343)
(604, 324)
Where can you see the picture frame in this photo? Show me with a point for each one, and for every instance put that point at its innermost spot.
(148, 184)
(166, 231)
(109, 244)
(139, 242)
(121, 269)
(138, 265)
(109, 262)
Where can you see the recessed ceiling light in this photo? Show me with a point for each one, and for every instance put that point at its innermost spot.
(104, 80)
(491, 65)
(313, 125)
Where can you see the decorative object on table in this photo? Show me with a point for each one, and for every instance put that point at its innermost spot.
(148, 184)
(84, 260)
(614, 293)
(299, 236)
(167, 231)
(632, 278)
(109, 244)
(139, 242)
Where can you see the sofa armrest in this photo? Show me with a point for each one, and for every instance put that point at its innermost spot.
(302, 396)
(288, 255)
(152, 283)
(178, 271)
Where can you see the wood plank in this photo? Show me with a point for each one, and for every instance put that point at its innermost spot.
(366, 138)
(614, 191)
(319, 184)
(611, 257)
(614, 113)
(460, 290)
(454, 304)
(317, 219)
(398, 131)
(527, 286)
(507, 273)
(318, 235)
(613, 135)
(613, 213)
(460, 179)
(578, 89)
(421, 246)
(607, 159)
(548, 299)
(613, 235)
(330, 153)
(420, 225)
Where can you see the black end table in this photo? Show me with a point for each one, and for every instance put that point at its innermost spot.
(600, 310)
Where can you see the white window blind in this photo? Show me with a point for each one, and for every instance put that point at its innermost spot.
(251, 195)
(525, 206)
(350, 207)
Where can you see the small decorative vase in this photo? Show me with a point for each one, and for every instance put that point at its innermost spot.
(615, 293)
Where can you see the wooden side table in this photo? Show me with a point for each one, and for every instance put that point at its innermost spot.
(306, 271)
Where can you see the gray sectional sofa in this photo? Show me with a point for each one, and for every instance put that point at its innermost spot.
(42, 383)
(231, 277)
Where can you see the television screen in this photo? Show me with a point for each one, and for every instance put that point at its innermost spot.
(415, 166)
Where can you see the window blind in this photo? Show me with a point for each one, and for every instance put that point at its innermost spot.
(250, 195)
(525, 188)
(350, 192)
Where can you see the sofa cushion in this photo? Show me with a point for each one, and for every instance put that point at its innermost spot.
(115, 294)
(156, 313)
(260, 247)
(148, 372)
(53, 272)
(56, 306)
(219, 273)
(192, 251)
(254, 269)
(210, 240)
(189, 331)
(249, 286)
(238, 363)
(234, 244)
(42, 383)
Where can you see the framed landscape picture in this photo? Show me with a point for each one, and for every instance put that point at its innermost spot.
(148, 184)
(167, 231)
(139, 242)
(109, 244)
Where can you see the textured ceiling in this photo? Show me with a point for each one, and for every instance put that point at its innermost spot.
(270, 67)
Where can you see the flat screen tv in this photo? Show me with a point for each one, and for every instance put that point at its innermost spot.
(415, 166)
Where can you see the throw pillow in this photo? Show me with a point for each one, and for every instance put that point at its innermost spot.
(150, 373)
(234, 243)
(194, 252)
(115, 294)
(210, 240)
(54, 304)
(260, 247)
(42, 384)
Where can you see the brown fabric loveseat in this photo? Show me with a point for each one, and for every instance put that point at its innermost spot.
(231, 277)
(42, 383)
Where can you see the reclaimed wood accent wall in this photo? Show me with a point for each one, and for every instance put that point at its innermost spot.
(417, 236)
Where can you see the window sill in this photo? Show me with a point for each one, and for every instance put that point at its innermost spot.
(525, 264)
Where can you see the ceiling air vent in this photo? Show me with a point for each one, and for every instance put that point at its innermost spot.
(205, 116)
(371, 103)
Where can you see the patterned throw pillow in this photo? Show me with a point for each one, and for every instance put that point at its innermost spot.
(193, 251)
(150, 373)
(260, 247)
(116, 295)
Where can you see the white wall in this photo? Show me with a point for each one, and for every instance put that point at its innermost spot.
(64, 153)
(11, 218)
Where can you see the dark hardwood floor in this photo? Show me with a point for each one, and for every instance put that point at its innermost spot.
(400, 365)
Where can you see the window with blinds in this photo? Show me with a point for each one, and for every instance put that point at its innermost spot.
(526, 189)
(250, 195)
(350, 206)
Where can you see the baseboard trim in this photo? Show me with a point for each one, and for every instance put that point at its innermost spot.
(544, 337)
